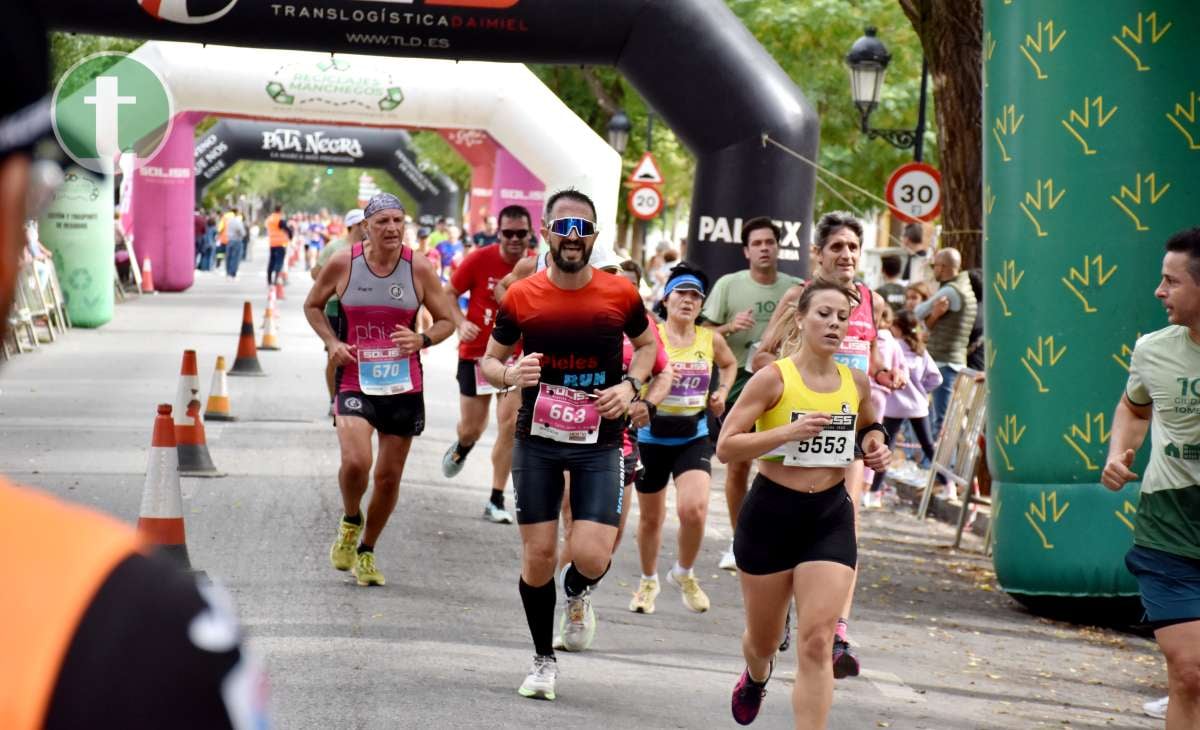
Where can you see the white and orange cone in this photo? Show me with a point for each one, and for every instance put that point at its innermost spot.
(218, 408)
(194, 459)
(160, 519)
(270, 338)
(147, 277)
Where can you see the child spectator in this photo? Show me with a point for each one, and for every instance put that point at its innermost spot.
(893, 359)
(915, 294)
(911, 402)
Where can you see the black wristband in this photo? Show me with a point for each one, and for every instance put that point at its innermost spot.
(651, 408)
(426, 341)
(862, 434)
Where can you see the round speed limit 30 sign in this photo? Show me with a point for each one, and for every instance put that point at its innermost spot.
(645, 202)
(914, 192)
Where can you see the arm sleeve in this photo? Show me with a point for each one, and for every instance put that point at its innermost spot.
(178, 650)
(461, 278)
(636, 320)
(956, 302)
(1135, 388)
(508, 330)
(714, 306)
(660, 358)
(931, 379)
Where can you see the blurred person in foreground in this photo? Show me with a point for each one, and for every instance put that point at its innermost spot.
(100, 632)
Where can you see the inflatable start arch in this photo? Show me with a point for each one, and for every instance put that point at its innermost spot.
(692, 60)
(230, 140)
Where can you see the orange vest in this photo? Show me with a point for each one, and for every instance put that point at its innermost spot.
(46, 596)
(276, 236)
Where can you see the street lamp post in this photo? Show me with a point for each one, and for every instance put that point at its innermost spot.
(868, 61)
(619, 128)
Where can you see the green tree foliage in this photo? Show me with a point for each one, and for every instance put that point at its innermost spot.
(809, 40)
(437, 152)
(67, 49)
(299, 187)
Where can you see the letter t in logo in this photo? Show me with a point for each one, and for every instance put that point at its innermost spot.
(107, 101)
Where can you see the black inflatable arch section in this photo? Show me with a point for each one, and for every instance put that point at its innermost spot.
(692, 60)
(230, 140)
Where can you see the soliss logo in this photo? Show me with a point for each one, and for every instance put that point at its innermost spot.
(395, 291)
(354, 404)
(185, 11)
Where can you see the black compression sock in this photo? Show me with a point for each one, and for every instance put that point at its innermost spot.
(539, 612)
(355, 520)
(461, 451)
(498, 498)
(575, 583)
(365, 548)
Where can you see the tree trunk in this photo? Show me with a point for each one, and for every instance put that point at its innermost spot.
(951, 33)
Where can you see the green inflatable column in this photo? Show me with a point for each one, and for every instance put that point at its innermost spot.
(78, 228)
(1092, 160)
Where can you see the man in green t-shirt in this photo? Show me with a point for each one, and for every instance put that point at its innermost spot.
(353, 221)
(1163, 396)
(739, 307)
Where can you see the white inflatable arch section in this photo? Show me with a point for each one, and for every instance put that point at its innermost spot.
(505, 99)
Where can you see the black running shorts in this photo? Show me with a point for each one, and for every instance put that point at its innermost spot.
(394, 415)
(597, 492)
(466, 378)
(779, 528)
(662, 462)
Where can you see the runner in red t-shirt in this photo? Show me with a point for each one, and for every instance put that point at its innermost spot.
(477, 276)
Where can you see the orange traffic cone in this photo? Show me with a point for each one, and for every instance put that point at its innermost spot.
(218, 395)
(160, 519)
(246, 362)
(270, 340)
(194, 459)
(147, 277)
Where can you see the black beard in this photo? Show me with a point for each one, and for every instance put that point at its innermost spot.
(571, 267)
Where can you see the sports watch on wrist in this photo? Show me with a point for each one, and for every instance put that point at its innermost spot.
(426, 341)
(637, 385)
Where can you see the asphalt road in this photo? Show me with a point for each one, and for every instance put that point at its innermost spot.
(444, 644)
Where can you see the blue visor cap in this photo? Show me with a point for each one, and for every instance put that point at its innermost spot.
(687, 282)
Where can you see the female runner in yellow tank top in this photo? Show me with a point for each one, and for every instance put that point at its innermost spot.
(795, 535)
(676, 442)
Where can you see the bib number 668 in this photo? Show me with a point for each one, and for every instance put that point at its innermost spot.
(568, 414)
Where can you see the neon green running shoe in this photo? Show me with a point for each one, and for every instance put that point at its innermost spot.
(345, 547)
(539, 685)
(365, 570)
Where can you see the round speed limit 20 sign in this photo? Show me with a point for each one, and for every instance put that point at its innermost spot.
(914, 192)
(645, 202)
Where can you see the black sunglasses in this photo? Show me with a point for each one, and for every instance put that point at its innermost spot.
(518, 234)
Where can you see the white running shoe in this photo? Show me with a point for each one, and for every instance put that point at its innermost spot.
(728, 562)
(1156, 708)
(578, 623)
(492, 513)
(539, 685)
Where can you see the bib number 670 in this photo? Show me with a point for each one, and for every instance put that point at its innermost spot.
(385, 370)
